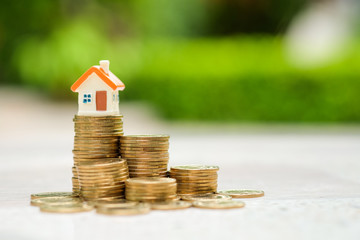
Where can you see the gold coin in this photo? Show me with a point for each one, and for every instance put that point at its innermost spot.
(94, 170)
(227, 204)
(102, 194)
(197, 182)
(154, 194)
(147, 166)
(103, 176)
(145, 155)
(66, 208)
(93, 156)
(52, 194)
(205, 197)
(144, 145)
(171, 205)
(54, 200)
(89, 196)
(194, 168)
(95, 147)
(243, 193)
(103, 187)
(146, 159)
(99, 136)
(144, 194)
(109, 127)
(113, 164)
(112, 140)
(143, 149)
(97, 160)
(146, 198)
(150, 180)
(94, 152)
(103, 173)
(83, 180)
(138, 175)
(146, 171)
(140, 208)
(150, 136)
(151, 186)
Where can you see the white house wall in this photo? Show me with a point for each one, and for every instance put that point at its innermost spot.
(90, 86)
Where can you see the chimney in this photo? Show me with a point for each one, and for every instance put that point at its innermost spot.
(104, 64)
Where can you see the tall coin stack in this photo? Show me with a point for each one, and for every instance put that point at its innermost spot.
(151, 189)
(195, 179)
(99, 181)
(96, 140)
(146, 155)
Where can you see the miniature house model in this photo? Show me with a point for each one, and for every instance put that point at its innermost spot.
(98, 90)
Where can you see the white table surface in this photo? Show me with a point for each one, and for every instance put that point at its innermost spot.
(311, 177)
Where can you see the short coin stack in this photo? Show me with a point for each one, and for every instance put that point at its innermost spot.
(96, 140)
(151, 189)
(195, 179)
(146, 155)
(103, 180)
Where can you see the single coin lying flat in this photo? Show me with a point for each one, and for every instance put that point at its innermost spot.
(227, 204)
(243, 193)
(66, 208)
(59, 200)
(171, 205)
(205, 197)
(52, 194)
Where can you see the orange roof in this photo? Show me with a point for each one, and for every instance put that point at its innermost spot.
(110, 79)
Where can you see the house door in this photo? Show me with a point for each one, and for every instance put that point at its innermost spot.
(101, 101)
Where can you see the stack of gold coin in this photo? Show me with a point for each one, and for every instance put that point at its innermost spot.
(146, 155)
(195, 179)
(96, 140)
(150, 189)
(103, 180)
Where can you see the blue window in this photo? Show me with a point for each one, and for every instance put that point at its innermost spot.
(87, 98)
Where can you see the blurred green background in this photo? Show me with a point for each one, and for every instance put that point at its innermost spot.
(208, 60)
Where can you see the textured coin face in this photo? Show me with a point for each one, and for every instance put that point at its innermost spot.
(243, 193)
(227, 204)
(140, 208)
(171, 205)
(52, 194)
(195, 167)
(60, 200)
(66, 208)
(205, 197)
